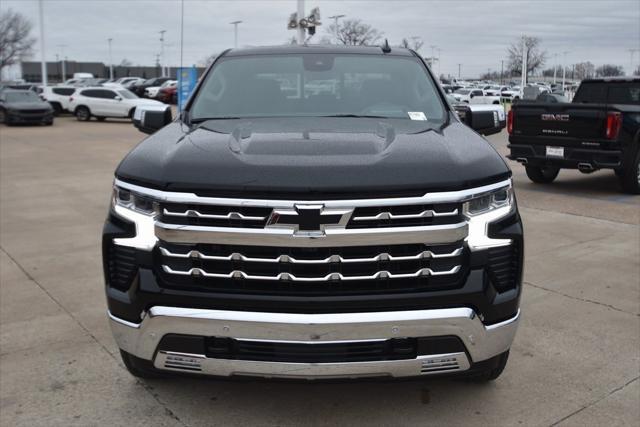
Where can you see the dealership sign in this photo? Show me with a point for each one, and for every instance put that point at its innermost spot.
(187, 79)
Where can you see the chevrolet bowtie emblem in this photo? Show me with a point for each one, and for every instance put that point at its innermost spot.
(309, 219)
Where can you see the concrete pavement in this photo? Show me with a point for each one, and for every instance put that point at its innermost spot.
(575, 361)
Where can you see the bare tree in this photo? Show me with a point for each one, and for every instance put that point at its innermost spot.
(416, 43)
(15, 40)
(637, 71)
(609, 70)
(536, 57)
(584, 70)
(355, 33)
(125, 63)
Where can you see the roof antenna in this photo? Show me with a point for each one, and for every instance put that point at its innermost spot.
(385, 47)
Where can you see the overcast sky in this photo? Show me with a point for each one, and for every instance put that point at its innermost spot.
(473, 33)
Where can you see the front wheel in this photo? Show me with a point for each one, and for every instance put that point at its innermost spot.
(83, 114)
(542, 175)
(493, 372)
(630, 176)
(139, 367)
(3, 117)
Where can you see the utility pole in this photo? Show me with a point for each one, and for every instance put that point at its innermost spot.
(162, 51)
(300, 15)
(64, 59)
(631, 52)
(235, 33)
(459, 68)
(502, 72)
(109, 40)
(524, 64)
(564, 68)
(43, 63)
(335, 20)
(555, 66)
(439, 62)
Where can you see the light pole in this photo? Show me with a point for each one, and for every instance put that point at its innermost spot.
(64, 59)
(433, 54)
(109, 40)
(631, 52)
(161, 60)
(43, 63)
(300, 16)
(335, 20)
(235, 33)
(502, 72)
(459, 70)
(564, 68)
(555, 67)
(439, 61)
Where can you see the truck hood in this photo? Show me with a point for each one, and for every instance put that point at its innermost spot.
(301, 157)
(24, 106)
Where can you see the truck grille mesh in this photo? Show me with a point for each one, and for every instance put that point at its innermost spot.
(311, 271)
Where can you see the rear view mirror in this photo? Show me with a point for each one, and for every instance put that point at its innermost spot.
(151, 118)
(484, 119)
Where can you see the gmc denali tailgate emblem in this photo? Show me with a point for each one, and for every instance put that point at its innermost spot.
(555, 117)
(309, 220)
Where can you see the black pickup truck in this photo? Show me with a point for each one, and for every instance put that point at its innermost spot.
(599, 129)
(314, 212)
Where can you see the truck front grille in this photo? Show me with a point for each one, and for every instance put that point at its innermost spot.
(122, 266)
(503, 267)
(311, 271)
(214, 216)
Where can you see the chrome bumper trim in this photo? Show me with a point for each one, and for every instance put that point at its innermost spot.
(331, 238)
(422, 365)
(482, 342)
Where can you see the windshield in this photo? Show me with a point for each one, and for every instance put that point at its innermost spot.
(463, 91)
(126, 94)
(316, 85)
(22, 97)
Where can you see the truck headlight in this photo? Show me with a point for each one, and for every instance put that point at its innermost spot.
(136, 202)
(503, 197)
(482, 210)
(140, 210)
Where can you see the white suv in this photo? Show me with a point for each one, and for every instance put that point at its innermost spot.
(103, 102)
(58, 97)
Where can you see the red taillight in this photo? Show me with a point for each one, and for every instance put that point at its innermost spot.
(510, 122)
(614, 123)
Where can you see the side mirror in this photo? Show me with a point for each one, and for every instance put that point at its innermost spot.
(150, 118)
(485, 119)
(471, 95)
(118, 98)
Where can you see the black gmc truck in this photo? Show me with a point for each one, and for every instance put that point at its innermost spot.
(314, 212)
(599, 129)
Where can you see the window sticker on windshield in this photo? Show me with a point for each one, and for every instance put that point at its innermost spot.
(417, 115)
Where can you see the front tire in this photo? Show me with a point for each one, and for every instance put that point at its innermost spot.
(4, 118)
(83, 114)
(542, 175)
(630, 176)
(139, 367)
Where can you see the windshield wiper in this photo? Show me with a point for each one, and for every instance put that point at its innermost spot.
(206, 119)
(366, 116)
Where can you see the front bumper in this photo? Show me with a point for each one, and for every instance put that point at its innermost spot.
(481, 342)
(535, 155)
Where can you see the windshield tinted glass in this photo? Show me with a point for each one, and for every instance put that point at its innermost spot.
(463, 91)
(22, 97)
(313, 85)
(126, 94)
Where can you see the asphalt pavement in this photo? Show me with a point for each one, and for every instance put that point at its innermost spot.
(575, 360)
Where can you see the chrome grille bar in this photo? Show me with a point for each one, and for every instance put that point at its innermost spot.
(289, 259)
(197, 272)
(429, 213)
(192, 213)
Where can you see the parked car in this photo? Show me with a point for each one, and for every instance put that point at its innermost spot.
(122, 82)
(130, 84)
(168, 93)
(24, 106)
(102, 102)
(58, 97)
(599, 129)
(512, 94)
(152, 92)
(475, 96)
(139, 88)
(366, 232)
